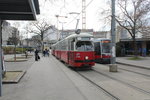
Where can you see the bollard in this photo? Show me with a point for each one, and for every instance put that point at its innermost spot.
(112, 68)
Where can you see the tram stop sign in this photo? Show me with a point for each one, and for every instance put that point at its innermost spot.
(16, 10)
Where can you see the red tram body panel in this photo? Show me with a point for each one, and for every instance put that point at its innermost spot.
(64, 56)
(84, 58)
(77, 50)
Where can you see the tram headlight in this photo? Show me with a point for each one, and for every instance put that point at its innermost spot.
(86, 57)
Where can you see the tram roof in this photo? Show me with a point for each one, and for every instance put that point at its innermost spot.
(75, 35)
(79, 35)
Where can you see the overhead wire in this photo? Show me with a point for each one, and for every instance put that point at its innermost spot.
(64, 7)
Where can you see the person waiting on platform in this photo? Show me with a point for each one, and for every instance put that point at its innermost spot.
(26, 53)
(44, 52)
(144, 52)
(36, 55)
(47, 52)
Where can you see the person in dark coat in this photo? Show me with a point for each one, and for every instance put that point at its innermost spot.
(36, 55)
(26, 54)
(44, 53)
(47, 52)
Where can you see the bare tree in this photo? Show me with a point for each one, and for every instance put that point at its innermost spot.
(36, 40)
(14, 40)
(39, 28)
(133, 17)
(104, 15)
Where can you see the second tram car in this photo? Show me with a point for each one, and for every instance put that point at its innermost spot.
(102, 50)
(77, 50)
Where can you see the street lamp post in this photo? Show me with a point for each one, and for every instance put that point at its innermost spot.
(62, 25)
(57, 16)
(113, 66)
(62, 29)
(57, 25)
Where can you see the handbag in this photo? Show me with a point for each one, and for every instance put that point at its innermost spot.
(38, 57)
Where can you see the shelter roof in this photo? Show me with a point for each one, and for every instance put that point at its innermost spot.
(19, 9)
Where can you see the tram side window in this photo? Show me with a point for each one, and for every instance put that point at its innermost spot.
(63, 45)
(69, 45)
(66, 45)
(97, 48)
(72, 44)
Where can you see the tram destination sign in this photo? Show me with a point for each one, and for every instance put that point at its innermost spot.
(84, 38)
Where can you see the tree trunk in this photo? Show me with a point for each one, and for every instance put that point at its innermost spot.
(135, 47)
(15, 53)
(42, 42)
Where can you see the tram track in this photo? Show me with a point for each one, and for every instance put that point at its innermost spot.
(107, 91)
(123, 82)
(94, 84)
(98, 86)
(135, 72)
(139, 73)
(134, 66)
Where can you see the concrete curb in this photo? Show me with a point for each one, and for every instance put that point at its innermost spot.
(17, 60)
(28, 55)
(133, 65)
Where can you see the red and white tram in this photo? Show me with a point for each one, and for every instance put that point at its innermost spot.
(77, 50)
(102, 50)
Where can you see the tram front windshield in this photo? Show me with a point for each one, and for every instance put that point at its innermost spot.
(105, 47)
(84, 46)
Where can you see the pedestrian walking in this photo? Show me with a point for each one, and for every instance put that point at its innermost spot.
(144, 52)
(47, 52)
(36, 55)
(44, 53)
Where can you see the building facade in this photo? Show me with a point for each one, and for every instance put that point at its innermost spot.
(9, 34)
(142, 41)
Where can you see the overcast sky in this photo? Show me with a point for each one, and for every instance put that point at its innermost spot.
(49, 9)
(64, 7)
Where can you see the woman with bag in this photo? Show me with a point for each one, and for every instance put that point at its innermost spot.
(36, 55)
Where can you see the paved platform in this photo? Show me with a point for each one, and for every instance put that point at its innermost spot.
(144, 63)
(49, 79)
